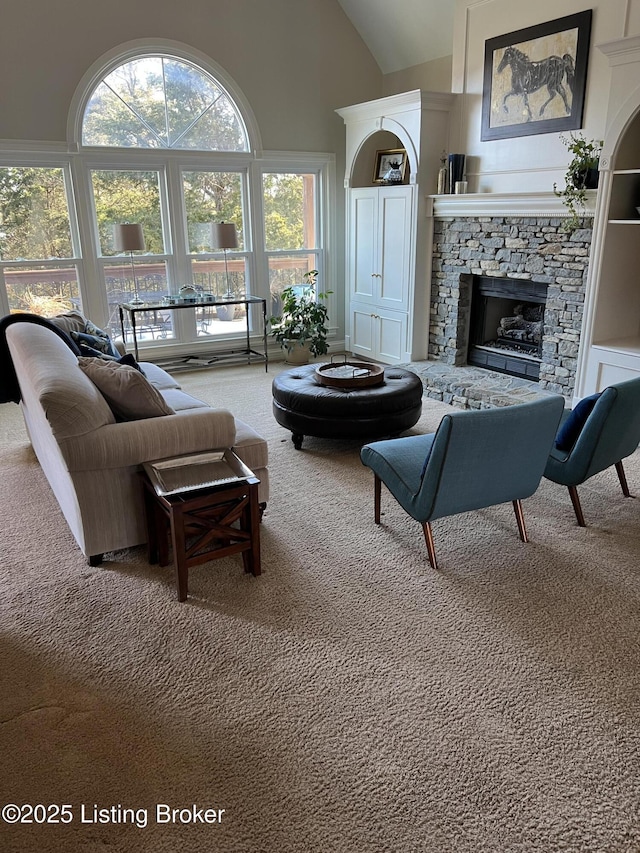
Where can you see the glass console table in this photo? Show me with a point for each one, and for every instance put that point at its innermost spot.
(133, 308)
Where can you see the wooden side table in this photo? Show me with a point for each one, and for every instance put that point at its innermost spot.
(203, 523)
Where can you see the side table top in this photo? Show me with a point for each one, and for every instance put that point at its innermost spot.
(194, 471)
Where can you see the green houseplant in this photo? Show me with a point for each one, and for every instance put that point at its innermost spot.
(303, 322)
(582, 175)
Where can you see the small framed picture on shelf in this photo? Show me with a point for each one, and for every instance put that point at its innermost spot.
(390, 166)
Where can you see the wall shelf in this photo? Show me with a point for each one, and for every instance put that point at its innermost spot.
(625, 346)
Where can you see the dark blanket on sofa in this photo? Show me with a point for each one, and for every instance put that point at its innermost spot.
(9, 388)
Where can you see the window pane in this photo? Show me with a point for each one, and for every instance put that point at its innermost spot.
(149, 282)
(289, 211)
(34, 217)
(212, 320)
(210, 276)
(128, 197)
(287, 272)
(41, 290)
(160, 102)
(212, 197)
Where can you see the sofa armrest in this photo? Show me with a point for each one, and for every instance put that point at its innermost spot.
(133, 442)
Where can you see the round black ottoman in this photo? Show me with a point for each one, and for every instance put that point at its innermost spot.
(306, 407)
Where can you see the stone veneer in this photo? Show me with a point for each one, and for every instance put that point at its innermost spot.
(517, 247)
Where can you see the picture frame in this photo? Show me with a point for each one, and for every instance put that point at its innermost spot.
(384, 161)
(535, 78)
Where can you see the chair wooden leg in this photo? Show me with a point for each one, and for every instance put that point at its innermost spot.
(428, 538)
(377, 484)
(575, 500)
(623, 479)
(517, 508)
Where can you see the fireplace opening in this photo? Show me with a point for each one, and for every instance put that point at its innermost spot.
(506, 325)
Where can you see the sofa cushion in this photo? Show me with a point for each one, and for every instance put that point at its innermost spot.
(180, 401)
(127, 391)
(250, 447)
(158, 377)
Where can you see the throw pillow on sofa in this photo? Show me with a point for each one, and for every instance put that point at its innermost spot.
(127, 391)
(91, 339)
(98, 344)
(69, 321)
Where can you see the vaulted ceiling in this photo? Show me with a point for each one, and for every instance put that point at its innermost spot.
(402, 33)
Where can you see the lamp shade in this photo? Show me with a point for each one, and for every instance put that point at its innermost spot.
(128, 238)
(224, 235)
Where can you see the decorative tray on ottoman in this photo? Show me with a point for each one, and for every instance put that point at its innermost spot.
(349, 374)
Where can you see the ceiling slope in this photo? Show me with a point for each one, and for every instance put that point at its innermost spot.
(403, 33)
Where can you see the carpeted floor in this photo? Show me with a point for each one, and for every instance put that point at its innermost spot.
(351, 699)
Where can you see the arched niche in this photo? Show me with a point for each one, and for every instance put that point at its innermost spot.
(623, 137)
(363, 164)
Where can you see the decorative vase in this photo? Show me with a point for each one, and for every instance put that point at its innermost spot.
(442, 180)
(226, 313)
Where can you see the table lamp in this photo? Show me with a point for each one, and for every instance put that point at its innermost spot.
(224, 236)
(128, 237)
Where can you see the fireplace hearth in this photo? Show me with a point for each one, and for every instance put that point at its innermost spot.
(506, 325)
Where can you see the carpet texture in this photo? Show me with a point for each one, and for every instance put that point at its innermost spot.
(349, 700)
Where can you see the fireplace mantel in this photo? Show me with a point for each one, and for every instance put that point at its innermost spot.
(502, 204)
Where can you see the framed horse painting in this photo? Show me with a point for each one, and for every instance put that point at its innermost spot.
(535, 79)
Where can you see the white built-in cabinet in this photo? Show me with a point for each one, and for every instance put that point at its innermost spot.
(610, 347)
(380, 270)
(389, 239)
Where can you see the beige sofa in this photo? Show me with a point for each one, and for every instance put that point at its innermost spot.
(92, 461)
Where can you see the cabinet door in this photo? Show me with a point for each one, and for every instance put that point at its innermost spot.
(390, 332)
(395, 228)
(363, 245)
(378, 335)
(362, 330)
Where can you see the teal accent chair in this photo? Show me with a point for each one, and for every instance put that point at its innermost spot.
(476, 458)
(610, 433)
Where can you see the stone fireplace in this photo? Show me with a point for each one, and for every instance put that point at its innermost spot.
(530, 253)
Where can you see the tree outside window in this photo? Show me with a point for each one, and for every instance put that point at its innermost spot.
(36, 253)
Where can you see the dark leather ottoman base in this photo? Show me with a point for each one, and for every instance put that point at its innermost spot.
(304, 406)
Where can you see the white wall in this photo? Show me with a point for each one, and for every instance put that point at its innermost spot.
(295, 60)
(434, 76)
(530, 163)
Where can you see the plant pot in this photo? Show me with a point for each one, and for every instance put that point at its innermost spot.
(298, 354)
(225, 313)
(591, 179)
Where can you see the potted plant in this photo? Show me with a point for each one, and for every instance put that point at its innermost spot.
(301, 329)
(582, 175)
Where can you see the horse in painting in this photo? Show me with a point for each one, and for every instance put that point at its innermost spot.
(528, 77)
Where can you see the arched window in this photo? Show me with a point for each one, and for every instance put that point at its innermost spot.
(166, 103)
